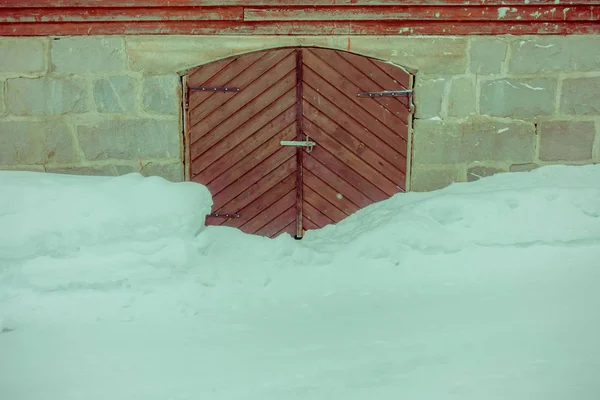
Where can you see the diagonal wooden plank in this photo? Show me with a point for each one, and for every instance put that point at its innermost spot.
(271, 212)
(223, 78)
(346, 89)
(393, 155)
(321, 204)
(308, 224)
(254, 175)
(371, 67)
(256, 189)
(315, 216)
(398, 106)
(251, 160)
(327, 192)
(336, 181)
(289, 229)
(264, 201)
(201, 74)
(249, 110)
(352, 161)
(354, 145)
(274, 226)
(252, 82)
(397, 73)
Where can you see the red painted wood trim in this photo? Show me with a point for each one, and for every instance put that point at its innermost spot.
(217, 3)
(299, 28)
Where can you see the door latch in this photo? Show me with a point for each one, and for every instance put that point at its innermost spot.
(306, 143)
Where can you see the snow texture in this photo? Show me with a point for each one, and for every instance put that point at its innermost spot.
(112, 288)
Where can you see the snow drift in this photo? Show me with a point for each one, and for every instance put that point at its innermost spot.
(113, 288)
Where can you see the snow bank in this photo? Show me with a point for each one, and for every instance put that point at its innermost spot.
(51, 214)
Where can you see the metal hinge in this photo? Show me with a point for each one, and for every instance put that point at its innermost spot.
(223, 215)
(306, 143)
(213, 89)
(387, 93)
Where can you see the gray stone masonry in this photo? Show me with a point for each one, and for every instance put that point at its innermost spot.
(566, 140)
(129, 140)
(35, 143)
(88, 54)
(581, 96)
(46, 96)
(518, 98)
(22, 56)
(161, 95)
(111, 105)
(115, 94)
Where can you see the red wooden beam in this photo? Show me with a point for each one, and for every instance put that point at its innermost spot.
(423, 13)
(43, 15)
(249, 3)
(299, 28)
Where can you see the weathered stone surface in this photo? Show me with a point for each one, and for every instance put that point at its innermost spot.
(2, 107)
(566, 140)
(104, 170)
(523, 167)
(522, 98)
(130, 139)
(22, 55)
(479, 139)
(480, 171)
(24, 142)
(46, 96)
(487, 55)
(429, 93)
(84, 54)
(555, 53)
(462, 96)
(161, 95)
(31, 168)
(166, 54)
(426, 178)
(581, 96)
(172, 171)
(116, 94)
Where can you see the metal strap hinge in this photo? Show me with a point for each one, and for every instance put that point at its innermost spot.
(213, 89)
(306, 143)
(223, 215)
(387, 93)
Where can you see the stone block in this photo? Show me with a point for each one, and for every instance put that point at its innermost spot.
(566, 140)
(487, 55)
(161, 95)
(171, 171)
(104, 170)
(521, 98)
(581, 96)
(429, 92)
(555, 53)
(478, 139)
(130, 139)
(166, 54)
(29, 168)
(462, 97)
(26, 143)
(523, 167)
(426, 178)
(2, 106)
(84, 54)
(22, 55)
(46, 96)
(116, 94)
(480, 171)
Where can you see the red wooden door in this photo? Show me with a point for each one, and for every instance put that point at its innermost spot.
(243, 112)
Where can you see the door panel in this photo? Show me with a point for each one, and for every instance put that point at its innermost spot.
(250, 103)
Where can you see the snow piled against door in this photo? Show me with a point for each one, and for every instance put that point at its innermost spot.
(481, 290)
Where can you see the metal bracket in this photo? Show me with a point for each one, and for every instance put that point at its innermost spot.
(387, 93)
(214, 89)
(306, 143)
(223, 215)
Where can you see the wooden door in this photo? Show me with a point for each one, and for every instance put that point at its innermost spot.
(239, 111)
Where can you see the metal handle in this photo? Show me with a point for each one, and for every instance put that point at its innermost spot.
(306, 143)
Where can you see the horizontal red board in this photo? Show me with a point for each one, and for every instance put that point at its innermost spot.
(196, 3)
(298, 28)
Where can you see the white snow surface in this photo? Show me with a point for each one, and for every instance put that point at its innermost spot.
(112, 288)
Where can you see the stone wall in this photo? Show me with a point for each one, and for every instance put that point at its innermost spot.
(111, 105)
